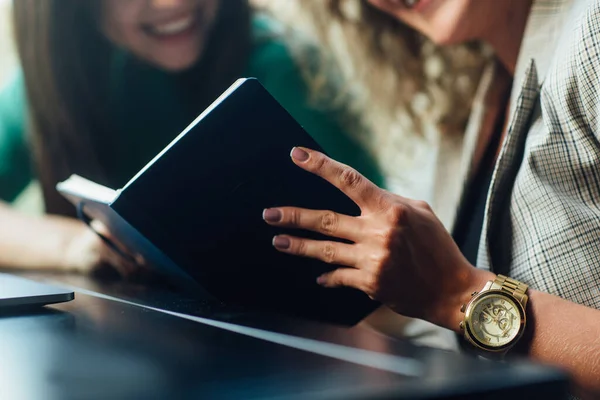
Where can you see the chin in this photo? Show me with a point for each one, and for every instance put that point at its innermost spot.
(173, 64)
(446, 36)
(442, 39)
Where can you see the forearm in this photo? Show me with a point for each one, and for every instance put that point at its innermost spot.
(28, 242)
(565, 334)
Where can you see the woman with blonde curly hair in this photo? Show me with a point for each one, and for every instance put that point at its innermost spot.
(519, 275)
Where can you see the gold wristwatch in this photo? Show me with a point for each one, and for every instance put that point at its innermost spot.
(495, 317)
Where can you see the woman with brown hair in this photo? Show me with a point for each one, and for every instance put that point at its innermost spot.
(106, 84)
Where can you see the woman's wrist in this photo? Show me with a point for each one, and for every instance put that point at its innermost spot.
(449, 314)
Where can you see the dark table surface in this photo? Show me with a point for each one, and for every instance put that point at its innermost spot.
(132, 341)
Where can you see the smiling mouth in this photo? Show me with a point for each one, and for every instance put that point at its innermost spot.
(172, 27)
(410, 3)
(416, 5)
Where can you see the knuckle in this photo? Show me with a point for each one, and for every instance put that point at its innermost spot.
(380, 258)
(399, 214)
(385, 235)
(329, 253)
(301, 247)
(329, 222)
(318, 163)
(293, 217)
(422, 205)
(350, 177)
(372, 285)
(383, 202)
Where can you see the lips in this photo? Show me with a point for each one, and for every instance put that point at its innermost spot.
(172, 27)
(414, 5)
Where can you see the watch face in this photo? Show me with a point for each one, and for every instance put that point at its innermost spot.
(495, 320)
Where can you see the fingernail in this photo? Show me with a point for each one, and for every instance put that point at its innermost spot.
(272, 215)
(300, 155)
(281, 242)
(321, 280)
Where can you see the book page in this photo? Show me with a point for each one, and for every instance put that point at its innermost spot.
(84, 189)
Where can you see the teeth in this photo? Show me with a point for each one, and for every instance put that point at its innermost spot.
(410, 3)
(175, 27)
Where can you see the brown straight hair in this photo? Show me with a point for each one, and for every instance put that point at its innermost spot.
(66, 63)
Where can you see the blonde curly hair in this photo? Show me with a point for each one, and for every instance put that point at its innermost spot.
(405, 88)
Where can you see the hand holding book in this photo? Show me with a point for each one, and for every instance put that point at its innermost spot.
(87, 253)
(396, 251)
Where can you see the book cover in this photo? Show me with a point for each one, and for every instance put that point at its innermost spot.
(195, 211)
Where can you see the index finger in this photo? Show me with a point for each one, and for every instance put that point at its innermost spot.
(358, 188)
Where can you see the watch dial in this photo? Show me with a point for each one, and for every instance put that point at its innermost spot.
(495, 320)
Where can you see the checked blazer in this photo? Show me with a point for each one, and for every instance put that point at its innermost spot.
(542, 222)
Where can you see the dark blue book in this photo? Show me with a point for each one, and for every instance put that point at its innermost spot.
(195, 211)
